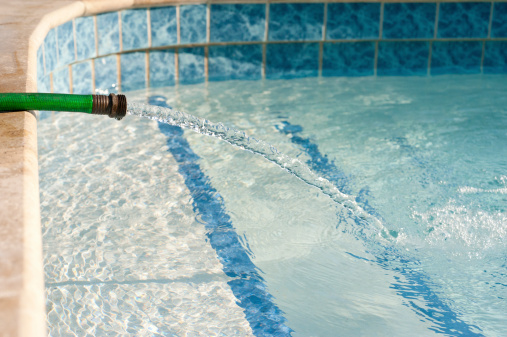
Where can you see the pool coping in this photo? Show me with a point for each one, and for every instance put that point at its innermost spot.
(25, 25)
(22, 304)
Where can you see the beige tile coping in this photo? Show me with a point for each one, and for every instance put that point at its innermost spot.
(23, 26)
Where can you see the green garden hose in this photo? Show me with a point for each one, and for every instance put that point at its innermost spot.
(115, 106)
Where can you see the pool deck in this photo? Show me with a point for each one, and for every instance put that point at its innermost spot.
(21, 273)
(23, 26)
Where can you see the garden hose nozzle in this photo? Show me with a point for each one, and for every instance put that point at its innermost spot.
(115, 106)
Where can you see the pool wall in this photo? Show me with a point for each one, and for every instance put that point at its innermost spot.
(186, 44)
(84, 46)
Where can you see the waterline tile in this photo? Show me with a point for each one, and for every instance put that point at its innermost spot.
(295, 21)
(61, 81)
(75, 40)
(242, 22)
(65, 38)
(303, 60)
(43, 84)
(192, 24)
(191, 65)
(402, 58)
(106, 75)
(348, 59)
(162, 71)
(463, 19)
(163, 26)
(495, 57)
(352, 21)
(108, 33)
(40, 62)
(85, 38)
(409, 20)
(235, 62)
(134, 29)
(133, 71)
(50, 52)
(499, 24)
(456, 57)
(82, 78)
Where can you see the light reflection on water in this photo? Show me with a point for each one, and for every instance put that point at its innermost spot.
(410, 160)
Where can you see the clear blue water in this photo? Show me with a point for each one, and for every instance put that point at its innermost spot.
(425, 156)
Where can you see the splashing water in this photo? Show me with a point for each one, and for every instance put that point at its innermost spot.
(368, 227)
(243, 141)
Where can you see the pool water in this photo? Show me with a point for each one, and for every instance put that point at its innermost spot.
(152, 230)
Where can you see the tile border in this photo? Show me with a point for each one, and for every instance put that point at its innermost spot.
(266, 42)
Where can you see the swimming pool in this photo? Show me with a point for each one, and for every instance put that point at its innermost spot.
(152, 230)
(140, 212)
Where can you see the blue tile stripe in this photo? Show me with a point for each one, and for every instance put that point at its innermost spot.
(264, 316)
(444, 319)
(297, 40)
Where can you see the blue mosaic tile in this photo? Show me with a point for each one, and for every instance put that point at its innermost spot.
(106, 75)
(134, 29)
(40, 62)
(191, 65)
(463, 19)
(353, 21)
(237, 22)
(192, 24)
(162, 68)
(409, 20)
(50, 52)
(133, 71)
(499, 24)
(82, 78)
(303, 60)
(43, 84)
(402, 58)
(163, 26)
(295, 21)
(65, 38)
(61, 81)
(456, 57)
(495, 57)
(348, 59)
(108, 33)
(85, 38)
(235, 62)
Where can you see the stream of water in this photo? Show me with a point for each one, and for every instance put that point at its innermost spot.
(242, 140)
